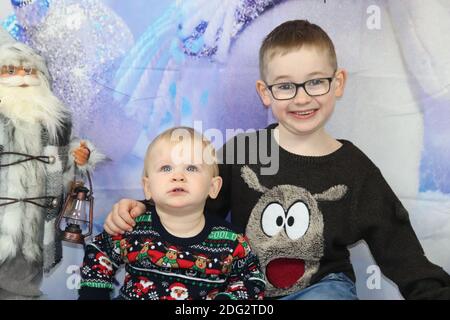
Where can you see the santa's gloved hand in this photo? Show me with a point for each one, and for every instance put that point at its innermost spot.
(81, 154)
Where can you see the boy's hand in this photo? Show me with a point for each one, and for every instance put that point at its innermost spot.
(81, 154)
(121, 218)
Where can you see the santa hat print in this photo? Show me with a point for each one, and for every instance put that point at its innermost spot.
(177, 285)
(103, 259)
(148, 241)
(202, 256)
(172, 248)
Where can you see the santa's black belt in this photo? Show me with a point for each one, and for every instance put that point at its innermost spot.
(28, 157)
(53, 204)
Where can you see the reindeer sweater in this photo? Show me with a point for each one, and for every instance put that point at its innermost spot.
(301, 219)
(217, 263)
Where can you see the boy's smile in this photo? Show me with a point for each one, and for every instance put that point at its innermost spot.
(305, 114)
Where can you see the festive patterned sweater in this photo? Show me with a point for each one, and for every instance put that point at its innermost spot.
(218, 263)
(300, 218)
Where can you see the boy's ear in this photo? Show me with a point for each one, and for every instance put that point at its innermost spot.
(341, 79)
(146, 185)
(263, 93)
(216, 184)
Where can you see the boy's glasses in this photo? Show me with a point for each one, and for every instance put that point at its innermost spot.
(13, 70)
(288, 90)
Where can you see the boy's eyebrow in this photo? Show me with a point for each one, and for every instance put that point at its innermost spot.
(280, 78)
(311, 74)
(317, 73)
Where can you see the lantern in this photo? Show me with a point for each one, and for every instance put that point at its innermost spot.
(77, 214)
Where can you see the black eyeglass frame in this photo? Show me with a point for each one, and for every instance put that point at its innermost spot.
(301, 85)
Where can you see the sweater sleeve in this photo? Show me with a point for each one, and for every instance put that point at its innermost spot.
(246, 281)
(101, 260)
(385, 226)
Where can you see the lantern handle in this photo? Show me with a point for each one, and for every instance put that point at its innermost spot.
(91, 190)
(91, 207)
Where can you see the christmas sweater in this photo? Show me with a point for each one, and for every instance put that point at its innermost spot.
(301, 217)
(218, 263)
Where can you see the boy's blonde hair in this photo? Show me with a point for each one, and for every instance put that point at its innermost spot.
(292, 35)
(176, 135)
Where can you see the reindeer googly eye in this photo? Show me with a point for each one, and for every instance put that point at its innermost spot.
(297, 220)
(273, 219)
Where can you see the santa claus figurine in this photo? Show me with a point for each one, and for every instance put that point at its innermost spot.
(37, 162)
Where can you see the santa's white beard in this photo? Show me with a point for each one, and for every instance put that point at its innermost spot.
(33, 104)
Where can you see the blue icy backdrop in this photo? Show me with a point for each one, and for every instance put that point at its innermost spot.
(129, 69)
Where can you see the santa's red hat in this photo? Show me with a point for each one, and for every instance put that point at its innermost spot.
(177, 285)
(173, 248)
(104, 260)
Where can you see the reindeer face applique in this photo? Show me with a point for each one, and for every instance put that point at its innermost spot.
(285, 229)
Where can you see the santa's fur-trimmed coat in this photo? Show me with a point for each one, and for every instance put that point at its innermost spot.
(28, 240)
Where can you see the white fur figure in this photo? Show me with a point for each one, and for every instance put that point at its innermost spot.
(37, 160)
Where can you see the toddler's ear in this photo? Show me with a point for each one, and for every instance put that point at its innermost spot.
(341, 79)
(263, 93)
(146, 186)
(216, 184)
